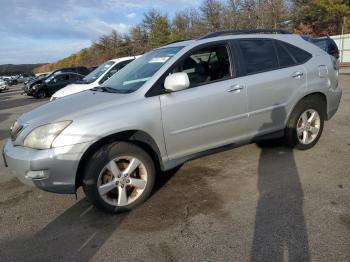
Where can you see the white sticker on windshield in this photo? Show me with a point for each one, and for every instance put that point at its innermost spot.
(159, 59)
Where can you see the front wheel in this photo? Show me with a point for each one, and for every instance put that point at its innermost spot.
(305, 124)
(41, 94)
(119, 177)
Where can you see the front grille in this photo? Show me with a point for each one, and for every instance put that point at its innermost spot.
(15, 130)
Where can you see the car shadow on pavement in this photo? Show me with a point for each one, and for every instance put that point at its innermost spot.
(75, 235)
(280, 231)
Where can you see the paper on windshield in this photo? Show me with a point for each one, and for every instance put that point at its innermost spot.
(159, 59)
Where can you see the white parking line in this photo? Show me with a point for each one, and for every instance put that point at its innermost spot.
(87, 241)
(87, 210)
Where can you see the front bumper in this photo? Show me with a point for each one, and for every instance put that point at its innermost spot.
(60, 164)
(30, 92)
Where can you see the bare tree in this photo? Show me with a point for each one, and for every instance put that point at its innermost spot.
(212, 14)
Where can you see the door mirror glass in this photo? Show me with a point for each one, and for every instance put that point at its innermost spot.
(176, 82)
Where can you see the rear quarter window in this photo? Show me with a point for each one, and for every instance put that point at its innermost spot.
(284, 57)
(301, 56)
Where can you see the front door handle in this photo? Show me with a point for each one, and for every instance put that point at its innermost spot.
(235, 88)
(297, 74)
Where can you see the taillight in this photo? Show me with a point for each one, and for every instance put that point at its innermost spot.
(335, 63)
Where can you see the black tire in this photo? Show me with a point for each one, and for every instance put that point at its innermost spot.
(40, 94)
(100, 159)
(314, 102)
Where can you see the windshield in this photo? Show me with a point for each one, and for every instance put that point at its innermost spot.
(97, 72)
(50, 78)
(135, 74)
(57, 72)
(41, 76)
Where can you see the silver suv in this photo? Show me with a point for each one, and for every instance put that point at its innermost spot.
(174, 104)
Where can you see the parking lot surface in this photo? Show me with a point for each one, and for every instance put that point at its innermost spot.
(253, 203)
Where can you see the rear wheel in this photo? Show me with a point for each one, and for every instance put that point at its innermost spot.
(306, 122)
(119, 177)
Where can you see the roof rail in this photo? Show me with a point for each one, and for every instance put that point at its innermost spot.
(241, 32)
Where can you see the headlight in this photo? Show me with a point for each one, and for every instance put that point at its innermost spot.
(42, 137)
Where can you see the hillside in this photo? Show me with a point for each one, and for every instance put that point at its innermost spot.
(10, 69)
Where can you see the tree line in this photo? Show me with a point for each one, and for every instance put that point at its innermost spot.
(312, 17)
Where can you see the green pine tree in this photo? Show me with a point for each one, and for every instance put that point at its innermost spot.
(160, 33)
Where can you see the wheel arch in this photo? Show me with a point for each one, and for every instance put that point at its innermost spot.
(137, 137)
(321, 95)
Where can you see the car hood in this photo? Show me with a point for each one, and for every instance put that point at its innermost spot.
(35, 82)
(74, 107)
(72, 89)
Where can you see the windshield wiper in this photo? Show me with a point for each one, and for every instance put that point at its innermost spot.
(82, 81)
(105, 89)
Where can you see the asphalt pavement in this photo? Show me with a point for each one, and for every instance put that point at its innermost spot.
(253, 203)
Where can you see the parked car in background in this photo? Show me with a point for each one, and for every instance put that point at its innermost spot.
(24, 78)
(327, 44)
(92, 68)
(95, 78)
(28, 85)
(28, 88)
(54, 83)
(8, 80)
(12, 81)
(175, 103)
(3, 85)
(35, 78)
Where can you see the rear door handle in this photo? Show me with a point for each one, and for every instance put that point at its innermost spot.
(297, 74)
(235, 88)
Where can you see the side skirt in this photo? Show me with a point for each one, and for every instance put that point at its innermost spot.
(176, 162)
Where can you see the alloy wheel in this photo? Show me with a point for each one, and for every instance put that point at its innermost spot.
(122, 181)
(308, 126)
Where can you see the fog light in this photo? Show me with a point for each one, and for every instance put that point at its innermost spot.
(37, 174)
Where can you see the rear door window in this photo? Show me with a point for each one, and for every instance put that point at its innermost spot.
(62, 78)
(73, 77)
(258, 55)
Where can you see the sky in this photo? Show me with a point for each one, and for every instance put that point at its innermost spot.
(41, 31)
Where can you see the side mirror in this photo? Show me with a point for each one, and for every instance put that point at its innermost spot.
(176, 82)
(54, 80)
